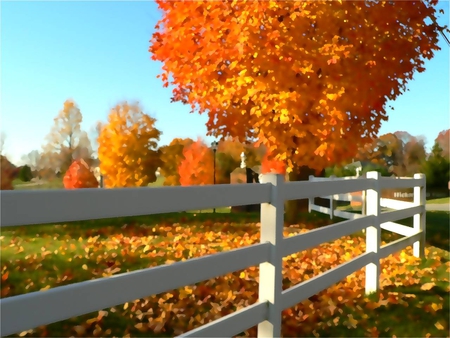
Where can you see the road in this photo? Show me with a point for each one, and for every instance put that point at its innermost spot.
(437, 207)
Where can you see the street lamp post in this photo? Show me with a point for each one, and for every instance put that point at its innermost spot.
(214, 146)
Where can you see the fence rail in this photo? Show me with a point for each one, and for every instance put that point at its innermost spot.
(24, 312)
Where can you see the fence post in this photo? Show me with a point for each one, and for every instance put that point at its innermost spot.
(332, 201)
(311, 199)
(270, 273)
(420, 219)
(373, 233)
(364, 202)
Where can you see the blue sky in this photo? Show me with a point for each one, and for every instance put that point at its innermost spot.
(97, 54)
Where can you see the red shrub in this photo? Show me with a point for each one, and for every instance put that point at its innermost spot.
(79, 176)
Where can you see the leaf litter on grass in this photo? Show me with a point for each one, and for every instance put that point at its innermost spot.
(413, 298)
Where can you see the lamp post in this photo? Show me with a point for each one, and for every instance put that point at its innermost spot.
(214, 146)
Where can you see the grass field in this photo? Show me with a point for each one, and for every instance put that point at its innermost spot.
(414, 300)
(57, 183)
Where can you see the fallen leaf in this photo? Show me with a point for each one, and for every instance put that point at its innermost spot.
(427, 286)
(439, 326)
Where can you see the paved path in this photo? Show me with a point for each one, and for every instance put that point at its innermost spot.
(438, 207)
(31, 184)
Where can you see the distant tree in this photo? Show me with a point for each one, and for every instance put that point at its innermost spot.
(2, 143)
(385, 151)
(66, 139)
(225, 164)
(7, 174)
(234, 148)
(48, 165)
(94, 133)
(171, 157)
(437, 168)
(32, 159)
(197, 167)
(414, 156)
(25, 174)
(128, 147)
(443, 140)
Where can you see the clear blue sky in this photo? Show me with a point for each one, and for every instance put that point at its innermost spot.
(97, 54)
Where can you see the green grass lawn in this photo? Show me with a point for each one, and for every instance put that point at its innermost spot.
(18, 182)
(56, 183)
(40, 255)
(158, 183)
(445, 200)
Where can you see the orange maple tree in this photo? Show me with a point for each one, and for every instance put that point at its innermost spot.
(197, 167)
(309, 79)
(171, 157)
(270, 165)
(79, 176)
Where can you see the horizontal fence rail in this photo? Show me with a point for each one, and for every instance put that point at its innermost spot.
(85, 204)
(27, 311)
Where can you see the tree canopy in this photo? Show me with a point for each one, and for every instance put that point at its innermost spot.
(309, 80)
(128, 151)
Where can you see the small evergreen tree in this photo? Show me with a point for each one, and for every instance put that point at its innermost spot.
(25, 174)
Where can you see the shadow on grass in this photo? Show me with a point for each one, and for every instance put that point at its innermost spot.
(437, 230)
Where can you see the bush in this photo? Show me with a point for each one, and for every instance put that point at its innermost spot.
(79, 176)
(25, 174)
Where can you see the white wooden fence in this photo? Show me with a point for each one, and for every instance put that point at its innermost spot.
(348, 197)
(384, 203)
(27, 311)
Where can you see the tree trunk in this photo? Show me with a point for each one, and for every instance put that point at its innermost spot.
(294, 208)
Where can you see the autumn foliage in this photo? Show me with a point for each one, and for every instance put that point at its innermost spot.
(8, 171)
(338, 311)
(270, 165)
(308, 79)
(443, 140)
(128, 151)
(171, 157)
(79, 176)
(197, 167)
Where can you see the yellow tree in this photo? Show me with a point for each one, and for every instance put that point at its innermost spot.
(308, 79)
(127, 147)
(171, 157)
